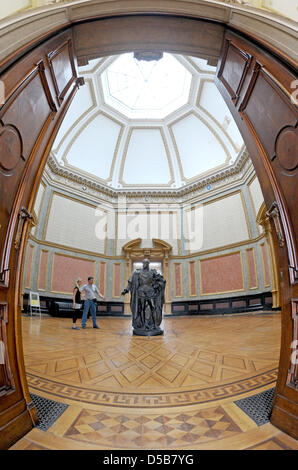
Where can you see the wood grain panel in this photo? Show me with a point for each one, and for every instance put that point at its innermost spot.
(18, 136)
(147, 33)
(263, 93)
(267, 118)
(29, 121)
(233, 69)
(271, 117)
(62, 69)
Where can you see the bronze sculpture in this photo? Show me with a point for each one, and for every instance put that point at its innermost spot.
(146, 287)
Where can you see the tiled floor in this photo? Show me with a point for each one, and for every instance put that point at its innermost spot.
(175, 391)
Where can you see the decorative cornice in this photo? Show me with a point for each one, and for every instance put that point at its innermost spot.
(188, 191)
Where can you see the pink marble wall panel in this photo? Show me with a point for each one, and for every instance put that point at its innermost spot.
(29, 267)
(102, 278)
(194, 308)
(116, 280)
(179, 308)
(221, 274)
(265, 265)
(178, 279)
(192, 279)
(67, 269)
(206, 306)
(239, 303)
(43, 270)
(222, 305)
(251, 266)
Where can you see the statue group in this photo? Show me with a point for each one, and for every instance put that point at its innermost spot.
(146, 287)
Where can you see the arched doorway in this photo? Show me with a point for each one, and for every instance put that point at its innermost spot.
(42, 84)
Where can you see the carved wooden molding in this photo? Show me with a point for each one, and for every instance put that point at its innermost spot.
(274, 213)
(256, 70)
(4, 278)
(61, 90)
(285, 145)
(234, 90)
(11, 148)
(23, 216)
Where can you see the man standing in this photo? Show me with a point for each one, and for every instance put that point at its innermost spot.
(90, 291)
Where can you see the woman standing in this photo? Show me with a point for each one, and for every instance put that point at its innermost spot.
(77, 303)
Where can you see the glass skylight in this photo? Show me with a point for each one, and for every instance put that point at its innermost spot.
(146, 89)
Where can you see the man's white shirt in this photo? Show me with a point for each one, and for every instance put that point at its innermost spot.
(90, 291)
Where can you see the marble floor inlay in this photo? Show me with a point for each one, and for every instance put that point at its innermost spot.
(172, 391)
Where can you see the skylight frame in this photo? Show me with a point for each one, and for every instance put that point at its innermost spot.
(113, 98)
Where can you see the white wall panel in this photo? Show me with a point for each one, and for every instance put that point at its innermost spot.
(256, 194)
(165, 226)
(76, 225)
(146, 159)
(198, 148)
(216, 224)
(93, 149)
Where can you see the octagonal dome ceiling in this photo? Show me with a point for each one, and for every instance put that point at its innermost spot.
(146, 89)
(156, 124)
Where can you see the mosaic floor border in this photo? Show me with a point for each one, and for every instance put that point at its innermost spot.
(141, 400)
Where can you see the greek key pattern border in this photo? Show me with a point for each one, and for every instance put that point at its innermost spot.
(141, 400)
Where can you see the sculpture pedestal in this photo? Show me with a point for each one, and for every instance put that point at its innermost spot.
(144, 332)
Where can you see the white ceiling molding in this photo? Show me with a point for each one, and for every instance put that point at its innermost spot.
(87, 143)
(75, 181)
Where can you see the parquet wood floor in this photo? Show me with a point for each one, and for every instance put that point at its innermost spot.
(168, 392)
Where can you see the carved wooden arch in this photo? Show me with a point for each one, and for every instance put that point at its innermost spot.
(41, 85)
